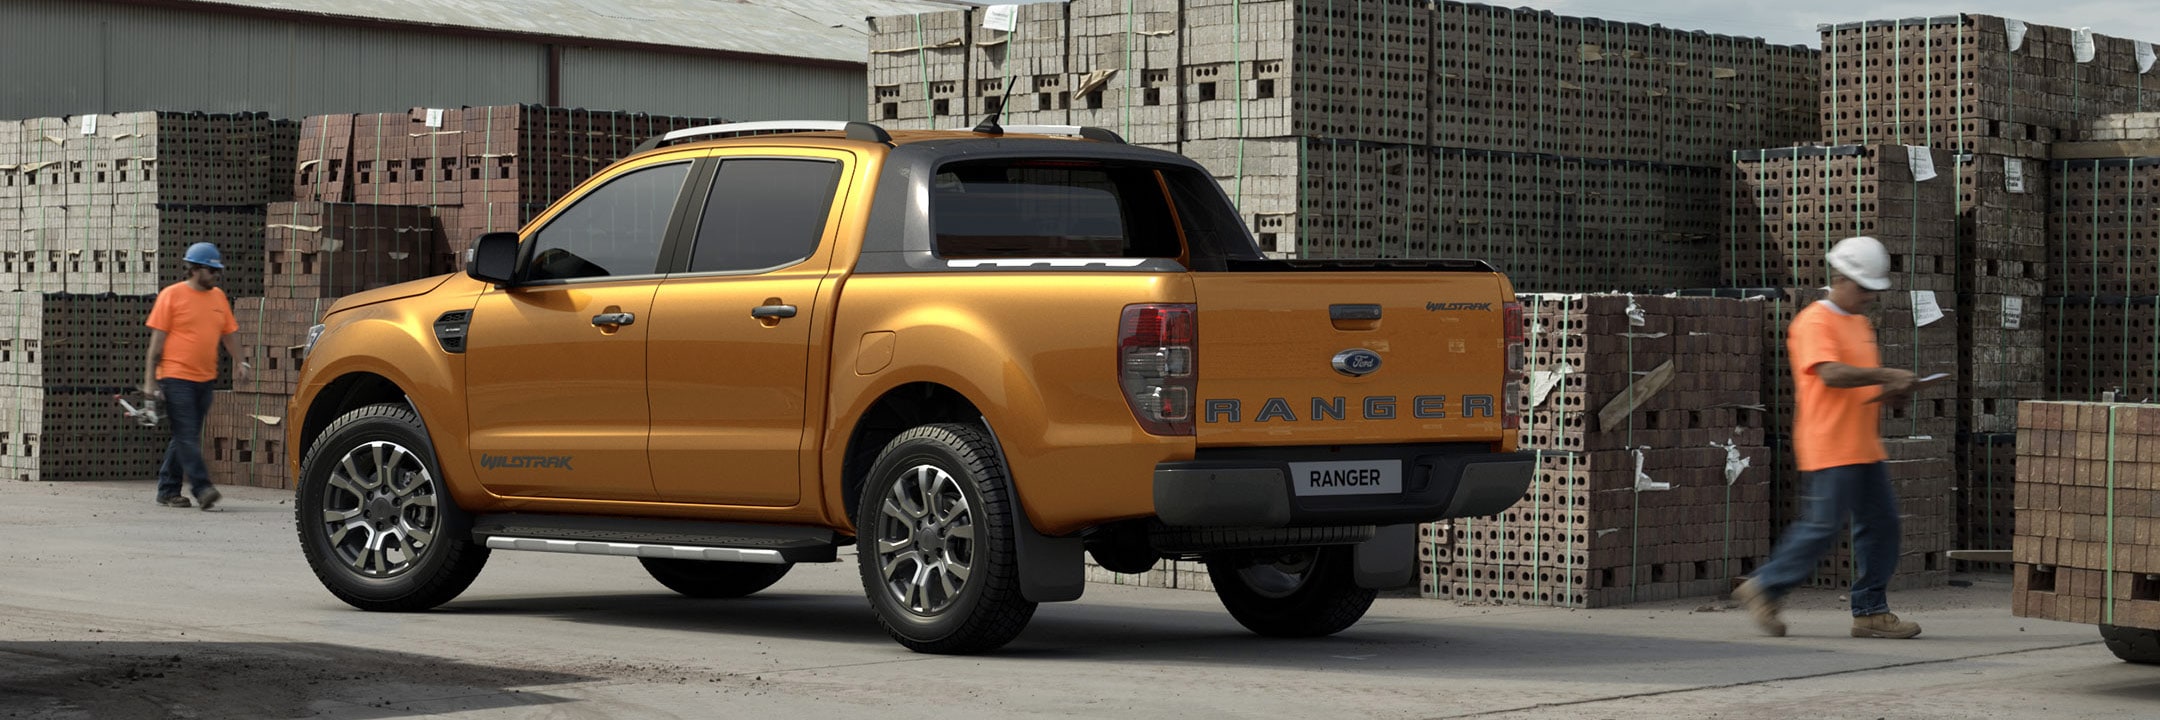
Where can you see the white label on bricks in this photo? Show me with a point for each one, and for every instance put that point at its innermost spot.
(2013, 312)
(1924, 309)
(434, 117)
(1357, 477)
(1923, 163)
(2016, 29)
(2081, 43)
(1001, 17)
(2145, 57)
(89, 124)
(2014, 175)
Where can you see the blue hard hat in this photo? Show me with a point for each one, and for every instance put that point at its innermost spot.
(206, 255)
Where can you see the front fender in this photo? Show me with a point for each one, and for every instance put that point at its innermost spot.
(396, 342)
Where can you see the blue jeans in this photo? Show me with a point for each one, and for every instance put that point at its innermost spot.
(187, 403)
(1863, 492)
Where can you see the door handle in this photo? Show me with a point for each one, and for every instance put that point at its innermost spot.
(614, 319)
(772, 312)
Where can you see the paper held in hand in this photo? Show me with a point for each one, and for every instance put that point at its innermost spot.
(1917, 385)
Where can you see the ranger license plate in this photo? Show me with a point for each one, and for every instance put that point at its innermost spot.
(1355, 477)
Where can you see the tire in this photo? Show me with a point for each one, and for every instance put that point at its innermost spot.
(434, 558)
(2136, 645)
(709, 579)
(1298, 593)
(968, 526)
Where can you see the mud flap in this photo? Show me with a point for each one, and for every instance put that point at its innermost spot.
(1054, 569)
(1388, 560)
(1051, 569)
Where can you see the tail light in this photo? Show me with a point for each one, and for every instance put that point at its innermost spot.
(1512, 391)
(1157, 349)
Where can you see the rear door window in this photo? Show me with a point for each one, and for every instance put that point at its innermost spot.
(764, 213)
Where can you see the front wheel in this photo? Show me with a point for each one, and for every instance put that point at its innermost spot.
(375, 518)
(2136, 645)
(936, 542)
(1291, 593)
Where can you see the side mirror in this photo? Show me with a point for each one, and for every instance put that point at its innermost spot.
(494, 258)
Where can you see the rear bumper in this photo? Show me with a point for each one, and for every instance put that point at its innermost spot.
(1251, 488)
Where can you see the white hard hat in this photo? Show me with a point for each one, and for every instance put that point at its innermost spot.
(1864, 260)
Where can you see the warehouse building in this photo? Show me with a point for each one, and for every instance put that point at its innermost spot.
(739, 59)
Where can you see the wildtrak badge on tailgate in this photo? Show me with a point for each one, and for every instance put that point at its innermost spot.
(1457, 307)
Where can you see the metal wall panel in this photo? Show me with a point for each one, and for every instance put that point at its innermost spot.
(692, 85)
(67, 58)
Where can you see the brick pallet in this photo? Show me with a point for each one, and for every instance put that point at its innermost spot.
(1791, 204)
(244, 440)
(2086, 498)
(1173, 574)
(1390, 129)
(1671, 502)
(107, 203)
(1588, 352)
(1986, 497)
(1610, 527)
(2104, 265)
(483, 169)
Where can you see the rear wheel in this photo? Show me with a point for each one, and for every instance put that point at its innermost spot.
(1290, 593)
(936, 542)
(710, 579)
(2136, 645)
(375, 518)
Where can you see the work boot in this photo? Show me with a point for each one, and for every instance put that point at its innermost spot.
(175, 501)
(1883, 625)
(1763, 609)
(209, 497)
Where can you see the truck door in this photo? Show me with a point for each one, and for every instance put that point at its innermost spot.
(555, 365)
(734, 331)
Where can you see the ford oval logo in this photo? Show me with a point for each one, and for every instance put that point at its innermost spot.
(1357, 362)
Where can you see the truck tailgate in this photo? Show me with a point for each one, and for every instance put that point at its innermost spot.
(1351, 357)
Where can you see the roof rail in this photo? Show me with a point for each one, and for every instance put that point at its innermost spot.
(1091, 133)
(855, 131)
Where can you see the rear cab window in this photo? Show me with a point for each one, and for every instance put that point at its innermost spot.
(1081, 208)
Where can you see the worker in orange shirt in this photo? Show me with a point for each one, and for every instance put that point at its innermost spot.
(1841, 385)
(191, 319)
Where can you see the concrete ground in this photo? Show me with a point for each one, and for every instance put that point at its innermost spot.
(111, 607)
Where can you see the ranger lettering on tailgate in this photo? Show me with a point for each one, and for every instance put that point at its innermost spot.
(1379, 407)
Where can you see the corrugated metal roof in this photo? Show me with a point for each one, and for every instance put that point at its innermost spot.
(816, 29)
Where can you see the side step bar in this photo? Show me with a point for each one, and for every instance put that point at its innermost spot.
(655, 538)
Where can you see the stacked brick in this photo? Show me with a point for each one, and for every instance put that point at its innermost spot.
(1608, 528)
(317, 252)
(107, 203)
(1560, 148)
(65, 357)
(1653, 479)
(1987, 497)
(2088, 487)
(481, 169)
(2105, 265)
(1999, 93)
(1171, 574)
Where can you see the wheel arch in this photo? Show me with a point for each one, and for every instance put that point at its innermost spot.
(903, 407)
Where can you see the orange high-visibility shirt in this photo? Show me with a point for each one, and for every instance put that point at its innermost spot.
(194, 321)
(1834, 426)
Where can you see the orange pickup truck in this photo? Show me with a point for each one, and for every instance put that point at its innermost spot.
(973, 357)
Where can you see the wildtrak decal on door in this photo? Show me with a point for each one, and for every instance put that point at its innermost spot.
(520, 462)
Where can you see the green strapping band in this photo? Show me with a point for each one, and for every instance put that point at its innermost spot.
(2108, 614)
